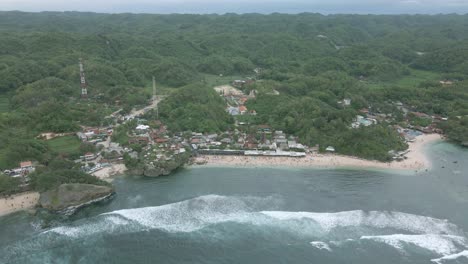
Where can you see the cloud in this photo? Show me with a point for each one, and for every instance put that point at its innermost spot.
(240, 6)
(410, 2)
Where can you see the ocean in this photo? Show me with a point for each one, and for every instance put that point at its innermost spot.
(262, 215)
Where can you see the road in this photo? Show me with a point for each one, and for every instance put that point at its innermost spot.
(135, 113)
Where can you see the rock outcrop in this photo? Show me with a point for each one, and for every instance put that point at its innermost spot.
(160, 168)
(67, 198)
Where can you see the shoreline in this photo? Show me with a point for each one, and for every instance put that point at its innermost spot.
(417, 159)
(108, 173)
(18, 202)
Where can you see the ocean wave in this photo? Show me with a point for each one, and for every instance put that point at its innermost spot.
(445, 259)
(321, 245)
(327, 231)
(439, 244)
(373, 219)
(197, 213)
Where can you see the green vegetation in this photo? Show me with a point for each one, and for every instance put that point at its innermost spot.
(312, 61)
(8, 185)
(197, 108)
(65, 144)
(4, 104)
(60, 171)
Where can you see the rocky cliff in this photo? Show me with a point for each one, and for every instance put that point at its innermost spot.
(67, 198)
(160, 168)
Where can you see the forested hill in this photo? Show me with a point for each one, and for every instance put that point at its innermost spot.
(129, 48)
(307, 58)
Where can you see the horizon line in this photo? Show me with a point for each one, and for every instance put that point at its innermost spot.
(241, 13)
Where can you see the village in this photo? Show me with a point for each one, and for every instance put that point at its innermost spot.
(151, 142)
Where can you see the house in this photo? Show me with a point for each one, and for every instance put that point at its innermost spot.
(26, 165)
(281, 140)
(243, 100)
(362, 121)
(364, 110)
(89, 156)
(161, 140)
(253, 94)
(142, 128)
(233, 110)
(195, 141)
(263, 128)
(25, 168)
(242, 109)
(226, 140)
(446, 83)
(292, 144)
(345, 102)
(238, 83)
(81, 136)
(330, 149)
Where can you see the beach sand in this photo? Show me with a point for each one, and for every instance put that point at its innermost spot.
(416, 161)
(108, 172)
(18, 202)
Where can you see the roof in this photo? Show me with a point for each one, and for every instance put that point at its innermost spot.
(25, 164)
(89, 154)
(142, 127)
(242, 108)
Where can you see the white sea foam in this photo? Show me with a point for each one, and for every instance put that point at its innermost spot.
(439, 244)
(205, 211)
(321, 245)
(374, 219)
(463, 254)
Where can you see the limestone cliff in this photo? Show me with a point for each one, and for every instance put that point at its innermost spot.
(67, 198)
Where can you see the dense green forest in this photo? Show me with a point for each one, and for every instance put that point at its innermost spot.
(312, 60)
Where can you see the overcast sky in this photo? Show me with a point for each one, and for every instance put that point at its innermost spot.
(242, 6)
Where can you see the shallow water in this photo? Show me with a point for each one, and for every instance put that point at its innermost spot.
(261, 215)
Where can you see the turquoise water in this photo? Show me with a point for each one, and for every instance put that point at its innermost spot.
(261, 215)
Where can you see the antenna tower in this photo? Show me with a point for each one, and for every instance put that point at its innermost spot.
(83, 84)
(155, 98)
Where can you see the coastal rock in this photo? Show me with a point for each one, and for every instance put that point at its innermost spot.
(67, 198)
(163, 168)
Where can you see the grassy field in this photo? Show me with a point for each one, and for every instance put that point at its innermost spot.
(216, 80)
(412, 80)
(3, 163)
(416, 77)
(66, 144)
(4, 104)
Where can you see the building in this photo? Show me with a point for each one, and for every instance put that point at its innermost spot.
(330, 149)
(26, 165)
(345, 102)
(233, 110)
(89, 156)
(81, 136)
(242, 110)
(142, 128)
(446, 83)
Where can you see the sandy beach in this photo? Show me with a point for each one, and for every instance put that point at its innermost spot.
(416, 161)
(108, 172)
(18, 202)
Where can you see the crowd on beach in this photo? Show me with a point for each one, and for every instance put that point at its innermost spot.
(416, 159)
(13, 203)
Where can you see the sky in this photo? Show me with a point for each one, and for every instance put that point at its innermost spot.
(242, 6)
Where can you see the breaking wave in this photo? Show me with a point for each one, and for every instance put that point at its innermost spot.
(327, 231)
(439, 244)
(204, 211)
